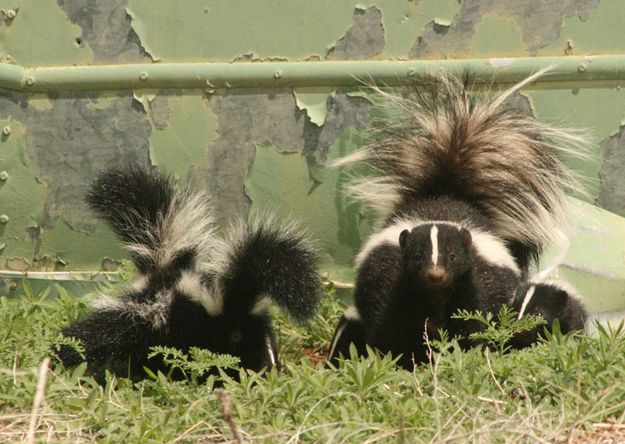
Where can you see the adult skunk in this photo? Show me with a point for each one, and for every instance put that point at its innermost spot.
(469, 193)
(195, 288)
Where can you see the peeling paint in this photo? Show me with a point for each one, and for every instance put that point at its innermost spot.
(106, 29)
(599, 110)
(183, 142)
(365, 38)
(595, 32)
(313, 101)
(539, 24)
(36, 25)
(69, 144)
(291, 192)
(223, 30)
(612, 189)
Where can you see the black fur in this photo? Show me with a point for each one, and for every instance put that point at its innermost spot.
(180, 302)
(551, 302)
(445, 154)
(424, 297)
(348, 332)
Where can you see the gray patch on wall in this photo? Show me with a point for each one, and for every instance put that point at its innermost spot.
(364, 39)
(612, 188)
(246, 119)
(343, 111)
(106, 28)
(67, 145)
(540, 23)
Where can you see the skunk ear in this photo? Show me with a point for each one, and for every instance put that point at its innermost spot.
(466, 237)
(403, 238)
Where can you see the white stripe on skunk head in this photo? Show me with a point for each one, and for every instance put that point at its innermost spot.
(192, 286)
(505, 164)
(188, 225)
(487, 246)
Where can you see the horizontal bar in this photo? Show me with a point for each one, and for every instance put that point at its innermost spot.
(294, 74)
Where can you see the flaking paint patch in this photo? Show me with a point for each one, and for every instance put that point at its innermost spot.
(37, 24)
(280, 182)
(612, 188)
(183, 143)
(313, 101)
(40, 102)
(106, 29)
(244, 120)
(222, 30)
(363, 40)
(582, 109)
(594, 33)
(539, 23)
(69, 144)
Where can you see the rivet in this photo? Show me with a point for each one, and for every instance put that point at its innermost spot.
(4, 219)
(30, 81)
(4, 175)
(13, 286)
(11, 14)
(581, 68)
(277, 74)
(143, 76)
(412, 72)
(6, 131)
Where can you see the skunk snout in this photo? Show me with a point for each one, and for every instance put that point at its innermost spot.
(436, 274)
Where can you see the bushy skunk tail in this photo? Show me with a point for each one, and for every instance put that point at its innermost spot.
(267, 258)
(162, 225)
(445, 139)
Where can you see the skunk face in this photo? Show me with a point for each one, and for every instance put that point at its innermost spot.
(551, 301)
(246, 335)
(436, 255)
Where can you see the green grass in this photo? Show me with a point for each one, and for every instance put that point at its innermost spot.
(567, 389)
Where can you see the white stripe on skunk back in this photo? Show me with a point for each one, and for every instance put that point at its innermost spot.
(487, 246)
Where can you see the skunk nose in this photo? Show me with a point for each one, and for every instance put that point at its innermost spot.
(436, 274)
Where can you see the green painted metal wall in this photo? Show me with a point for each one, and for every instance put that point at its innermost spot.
(259, 149)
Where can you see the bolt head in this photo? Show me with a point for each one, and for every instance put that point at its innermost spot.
(277, 74)
(10, 14)
(581, 68)
(143, 76)
(4, 175)
(4, 219)
(6, 130)
(30, 81)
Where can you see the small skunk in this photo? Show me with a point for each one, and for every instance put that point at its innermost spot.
(552, 300)
(195, 288)
(470, 192)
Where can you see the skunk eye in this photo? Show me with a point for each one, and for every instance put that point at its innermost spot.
(452, 257)
(236, 337)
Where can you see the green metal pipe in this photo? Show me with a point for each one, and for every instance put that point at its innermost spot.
(294, 74)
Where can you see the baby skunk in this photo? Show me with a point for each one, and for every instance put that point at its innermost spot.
(462, 177)
(551, 300)
(196, 288)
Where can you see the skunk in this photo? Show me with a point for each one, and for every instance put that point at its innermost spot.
(551, 300)
(349, 331)
(195, 288)
(469, 194)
